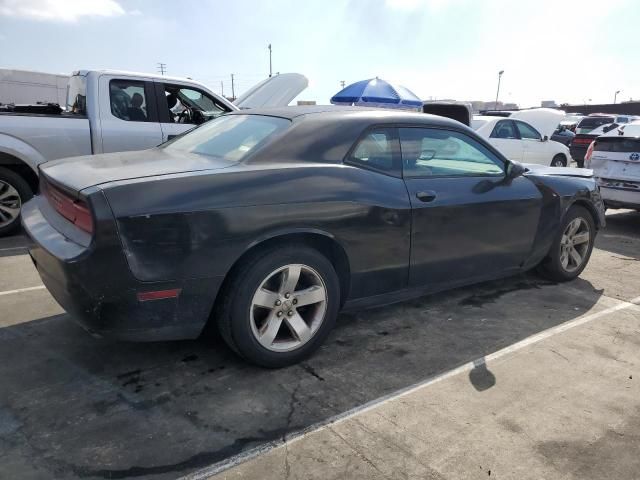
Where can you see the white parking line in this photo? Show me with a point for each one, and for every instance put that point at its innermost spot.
(249, 454)
(11, 249)
(20, 290)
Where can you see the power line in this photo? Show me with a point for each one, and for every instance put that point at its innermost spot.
(162, 68)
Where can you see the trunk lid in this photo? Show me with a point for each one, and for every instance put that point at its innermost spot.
(616, 158)
(545, 120)
(276, 91)
(78, 173)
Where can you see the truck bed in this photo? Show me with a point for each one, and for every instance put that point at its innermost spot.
(45, 136)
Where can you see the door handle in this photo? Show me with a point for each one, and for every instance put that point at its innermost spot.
(426, 196)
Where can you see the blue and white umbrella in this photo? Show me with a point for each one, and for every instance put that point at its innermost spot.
(377, 93)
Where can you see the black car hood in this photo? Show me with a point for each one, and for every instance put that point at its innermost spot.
(558, 171)
(78, 173)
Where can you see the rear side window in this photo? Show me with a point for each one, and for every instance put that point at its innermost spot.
(231, 137)
(377, 150)
(504, 129)
(527, 131)
(77, 95)
(128, 100)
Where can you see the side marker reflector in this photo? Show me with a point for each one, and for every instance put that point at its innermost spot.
(158, 295)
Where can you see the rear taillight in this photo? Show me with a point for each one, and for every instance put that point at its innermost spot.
(581, 141)
(587, 156)
(74, 210)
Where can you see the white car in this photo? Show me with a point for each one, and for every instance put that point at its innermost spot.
(615, 160)
(521, 141)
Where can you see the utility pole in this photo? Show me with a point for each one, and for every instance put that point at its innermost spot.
(615, 96)
(270, 66)
(495, 106)
(221, 88)
(162, 68)
(233, 88)
(342, 83)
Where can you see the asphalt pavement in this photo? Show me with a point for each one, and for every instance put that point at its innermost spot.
(73, 406)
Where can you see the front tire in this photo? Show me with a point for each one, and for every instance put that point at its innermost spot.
(559, 161)
(280, 305)
(14, 192)
(572, 247)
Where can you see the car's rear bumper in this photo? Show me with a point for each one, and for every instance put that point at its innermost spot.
(620, 198)
(95, 285)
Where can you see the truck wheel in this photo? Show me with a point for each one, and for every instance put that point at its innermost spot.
(14, 191)
(280, 305)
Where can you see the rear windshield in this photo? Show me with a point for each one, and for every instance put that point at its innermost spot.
(77, 95)
(593, 122)
(617, 144)
(231, 137)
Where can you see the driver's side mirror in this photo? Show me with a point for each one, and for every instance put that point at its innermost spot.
(515, 169)
(545, 138)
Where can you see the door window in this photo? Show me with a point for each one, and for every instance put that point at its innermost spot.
(430, 152)
(527, 131)
(377, 150)
(191, 106)
(504, 129)
(128, 100)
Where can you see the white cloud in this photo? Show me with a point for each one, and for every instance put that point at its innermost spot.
(411, 5)
(60, 10)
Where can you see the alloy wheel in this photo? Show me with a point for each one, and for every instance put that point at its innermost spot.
(288, 308)
(10, 203)
(574, 245)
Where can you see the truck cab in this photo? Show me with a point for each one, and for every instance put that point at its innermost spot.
(112, 111)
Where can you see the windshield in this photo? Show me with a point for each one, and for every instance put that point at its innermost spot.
(77, 95)
(231, 137)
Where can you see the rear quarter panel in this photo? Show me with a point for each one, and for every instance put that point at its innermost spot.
(198, 225)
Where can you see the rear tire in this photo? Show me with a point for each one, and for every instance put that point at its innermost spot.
(14, 192)
(572, 246)
(559, 161)
(261, 316)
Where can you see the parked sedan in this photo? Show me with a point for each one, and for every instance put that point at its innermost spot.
(268, 222)
(519, 141)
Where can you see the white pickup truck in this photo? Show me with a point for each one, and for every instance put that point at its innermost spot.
(112, 111)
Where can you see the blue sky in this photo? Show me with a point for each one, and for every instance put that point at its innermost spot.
(568, 51)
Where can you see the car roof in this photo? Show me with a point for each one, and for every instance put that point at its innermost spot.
(364, 114)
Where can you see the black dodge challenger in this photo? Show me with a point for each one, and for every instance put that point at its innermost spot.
(269, 222)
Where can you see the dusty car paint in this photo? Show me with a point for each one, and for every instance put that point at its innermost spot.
(166, 230)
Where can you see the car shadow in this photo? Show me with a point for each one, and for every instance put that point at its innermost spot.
(74, 406)
(13, 245)
(621, 235)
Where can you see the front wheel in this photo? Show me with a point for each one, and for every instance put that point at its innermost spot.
(559, 161)
(280, 305)
(572, 247)
(14, 191)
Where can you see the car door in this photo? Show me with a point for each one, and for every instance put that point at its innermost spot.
(534, 149)
(176, 102)
(469, 220)
(505, 138)
(128, 115)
